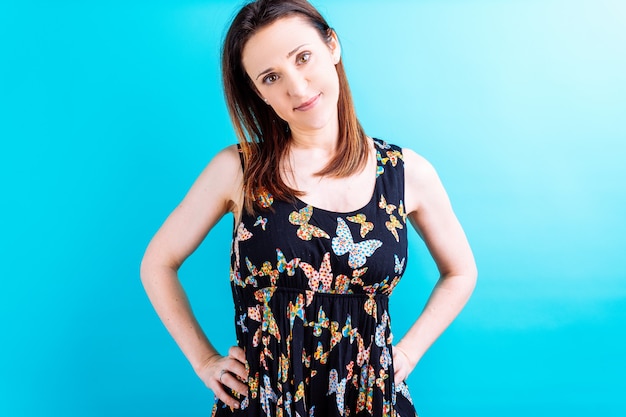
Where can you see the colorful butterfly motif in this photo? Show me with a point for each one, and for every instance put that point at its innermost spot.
(348, 331)
(337, 387)
(319, 281)
(282, 265)
(392, 225)
(342, 284)
(358, 252)
(370, 305)
(261, 221)
(265, 198)
(269, 322)
(366, 391)
(267, 270)
(382, 144)
(242, 322)
(385, 358)
(394, 156)
(321, 323)
(380, 381)
(350, 369)
(243, 233)
(320, 355)
(366, 226)
(389, 208)
(363, 356)
(283, 368)
(296, 310)
(299, 392)
(286, 407)
(253, 385)
(335, 334)
(401, 212)
(379, 157)
(399, 265)
(267, 395)
(254, 272)
(306, 359)
(306, 231)
(404, 390)
(379, 333)
(356, 276)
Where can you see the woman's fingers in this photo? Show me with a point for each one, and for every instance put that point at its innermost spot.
(238, 367)
(226, 375)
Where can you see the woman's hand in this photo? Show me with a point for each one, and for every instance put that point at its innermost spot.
(223, 373)
(402, 366)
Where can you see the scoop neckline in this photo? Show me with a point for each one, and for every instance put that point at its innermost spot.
(370, 201)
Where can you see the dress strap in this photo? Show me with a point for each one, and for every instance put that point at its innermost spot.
(240, 155)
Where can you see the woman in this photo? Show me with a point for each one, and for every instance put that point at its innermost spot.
(319, 241)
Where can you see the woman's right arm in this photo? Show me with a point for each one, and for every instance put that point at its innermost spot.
(217, 191)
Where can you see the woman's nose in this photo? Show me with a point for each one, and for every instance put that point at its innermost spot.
(297, 84)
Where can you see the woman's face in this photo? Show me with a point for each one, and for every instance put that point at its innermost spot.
(293, 69)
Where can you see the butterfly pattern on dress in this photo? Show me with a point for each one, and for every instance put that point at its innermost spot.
(358, 252)
(306, 231)
(311, 289)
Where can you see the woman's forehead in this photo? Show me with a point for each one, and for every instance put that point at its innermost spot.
(278, 40)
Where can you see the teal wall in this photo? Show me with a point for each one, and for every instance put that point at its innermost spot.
(110, 109)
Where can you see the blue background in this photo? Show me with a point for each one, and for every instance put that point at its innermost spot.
(109, 110)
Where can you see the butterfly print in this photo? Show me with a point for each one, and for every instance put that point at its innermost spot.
(392, 225)
(267, 394)
(264, 198)
(296, 310)
(242, 322)
(399, 265)
(321, 323)
(366, 226)
(282, 265)
(306, 231)
(389, 208)
(342, 284)
(320, 355)
(319, 280)
(348, 331)
(358, 252)
(394, 156)
(401, 212)
(337, 387)
(261, 221)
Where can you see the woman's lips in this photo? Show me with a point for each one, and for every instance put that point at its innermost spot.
(308, 104)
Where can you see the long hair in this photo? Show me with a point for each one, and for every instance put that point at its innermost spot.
(263, 136)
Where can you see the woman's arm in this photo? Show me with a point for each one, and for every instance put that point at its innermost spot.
(432, 216)
(216, 192)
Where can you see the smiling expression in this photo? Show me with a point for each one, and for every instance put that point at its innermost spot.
(293, 69)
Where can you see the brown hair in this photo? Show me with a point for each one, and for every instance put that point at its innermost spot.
(263, 136)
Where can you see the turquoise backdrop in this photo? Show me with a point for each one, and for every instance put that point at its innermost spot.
(110, 109)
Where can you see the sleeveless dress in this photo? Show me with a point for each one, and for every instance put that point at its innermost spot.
(311, 290)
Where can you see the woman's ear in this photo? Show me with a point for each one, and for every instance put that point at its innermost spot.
(334, 46)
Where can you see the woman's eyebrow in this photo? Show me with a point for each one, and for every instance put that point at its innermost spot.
(293, 51)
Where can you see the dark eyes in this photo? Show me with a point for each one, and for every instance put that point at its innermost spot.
(301, 58)
(270, 79)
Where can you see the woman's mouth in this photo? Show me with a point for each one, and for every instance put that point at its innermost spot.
(309, 104)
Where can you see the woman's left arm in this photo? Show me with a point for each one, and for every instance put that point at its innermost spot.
(431, 214)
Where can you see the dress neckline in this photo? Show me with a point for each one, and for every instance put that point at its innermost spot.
(372, 199)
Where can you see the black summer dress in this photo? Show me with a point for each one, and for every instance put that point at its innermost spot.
(311, 290)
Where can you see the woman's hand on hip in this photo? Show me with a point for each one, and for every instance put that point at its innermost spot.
(401, 365)
(223, 373)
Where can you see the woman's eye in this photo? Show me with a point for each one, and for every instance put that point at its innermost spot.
(270, 79)
(304, 58)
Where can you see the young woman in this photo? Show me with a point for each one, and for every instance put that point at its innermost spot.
(321, 213)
